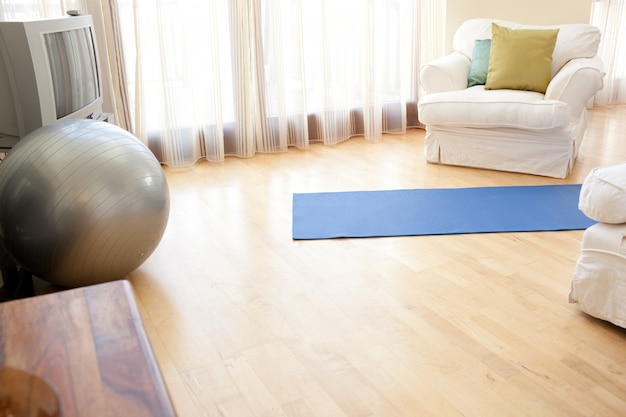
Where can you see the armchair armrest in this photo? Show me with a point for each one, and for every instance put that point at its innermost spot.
(447, 73)
(576, 83)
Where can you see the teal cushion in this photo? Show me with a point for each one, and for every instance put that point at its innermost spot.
(480, 62)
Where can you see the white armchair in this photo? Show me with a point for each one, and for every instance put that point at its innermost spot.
(599, 282)
(510, 129)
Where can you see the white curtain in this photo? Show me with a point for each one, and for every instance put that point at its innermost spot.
(114, 82)
(610, 17)
(33, 9)
(236, 77)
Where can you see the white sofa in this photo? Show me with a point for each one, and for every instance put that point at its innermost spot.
(599, 282)
(510, 129)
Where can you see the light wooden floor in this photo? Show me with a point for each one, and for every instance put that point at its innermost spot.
(245, 321)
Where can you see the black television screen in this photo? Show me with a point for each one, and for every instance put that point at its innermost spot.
(73, 68)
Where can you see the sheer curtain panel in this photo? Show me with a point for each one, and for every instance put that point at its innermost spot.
(610, 17)
(114, 81)
(236, 77)
(30, 9)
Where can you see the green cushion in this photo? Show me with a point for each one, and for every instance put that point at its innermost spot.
(480, 62)
(520, 59)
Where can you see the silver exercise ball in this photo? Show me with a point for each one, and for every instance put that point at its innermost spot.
(81, 202)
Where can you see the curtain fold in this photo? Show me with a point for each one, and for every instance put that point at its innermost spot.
(114, 80)
(610, 17)
(430, 33)
(220, 78)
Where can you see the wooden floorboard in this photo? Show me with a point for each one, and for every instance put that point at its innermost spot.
(245, 321)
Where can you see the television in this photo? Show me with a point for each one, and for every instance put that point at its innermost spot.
(48, 72)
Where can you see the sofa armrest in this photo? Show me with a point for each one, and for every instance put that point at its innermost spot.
(447, 73)
(576, 83)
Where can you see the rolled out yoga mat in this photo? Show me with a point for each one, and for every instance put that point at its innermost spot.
(437, 211)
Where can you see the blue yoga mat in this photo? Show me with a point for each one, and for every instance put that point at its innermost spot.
(437, 211)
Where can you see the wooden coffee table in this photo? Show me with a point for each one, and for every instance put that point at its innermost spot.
(90, 344)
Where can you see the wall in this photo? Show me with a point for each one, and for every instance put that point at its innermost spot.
(532, 12)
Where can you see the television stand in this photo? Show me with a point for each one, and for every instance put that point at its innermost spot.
(105, 117)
